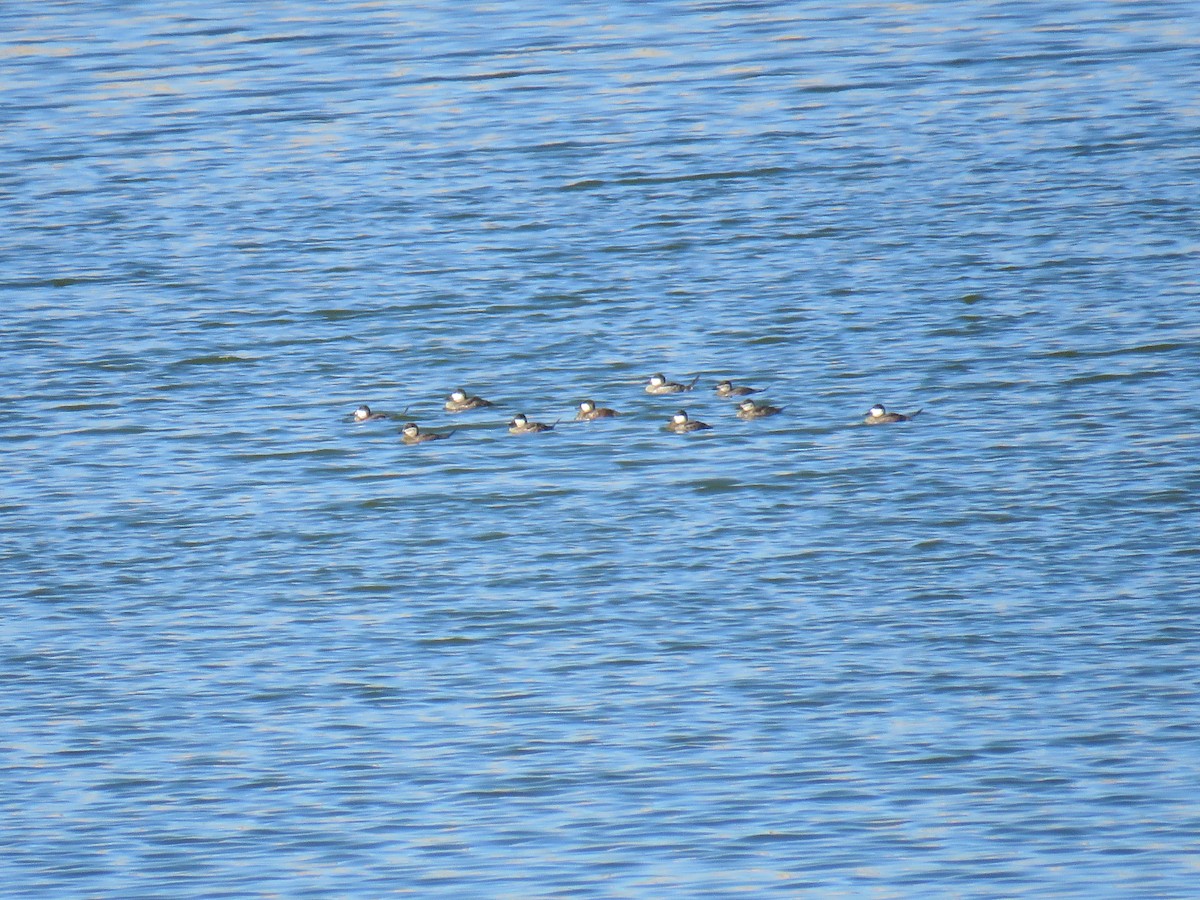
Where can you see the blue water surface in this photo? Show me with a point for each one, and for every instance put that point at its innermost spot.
(251, 648)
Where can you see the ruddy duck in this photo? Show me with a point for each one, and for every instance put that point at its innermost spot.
(411, 434)
(748, 409)
(727, 389)
(460, 402)
(588, 411)
(681, 424)
(659, 385)
(364, 414)
(521, 425)
(880, 416)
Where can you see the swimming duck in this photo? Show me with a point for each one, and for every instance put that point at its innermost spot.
(681, 424)
(364, 414)
(659, 385)
(748, 409)
(460, 402)
(411, 434)
(880, 416)
(520, 424)
(727, 389)
(588, 411)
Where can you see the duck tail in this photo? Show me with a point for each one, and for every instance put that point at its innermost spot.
(917, 413)
(692, 383)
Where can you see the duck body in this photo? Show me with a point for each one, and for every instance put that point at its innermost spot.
(748, 409)
(727, 389)
(877, 415)
(411, 434)
(658, 384)
(364, 414)
(588, 411)
(521, 425)
(459, 401)
(681, 424)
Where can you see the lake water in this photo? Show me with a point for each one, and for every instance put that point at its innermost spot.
(253, 649)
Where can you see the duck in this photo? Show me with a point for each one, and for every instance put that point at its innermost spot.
(411, 434)
(588, 410)
(748, 409)
(877, 415)
(364, 414)
(520, 424)
(681, 424)
(458, 401)
(659, 385)
(728, 389)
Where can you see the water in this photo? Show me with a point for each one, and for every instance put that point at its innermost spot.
(253, 649)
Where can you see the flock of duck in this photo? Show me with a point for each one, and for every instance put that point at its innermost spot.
(459, 401)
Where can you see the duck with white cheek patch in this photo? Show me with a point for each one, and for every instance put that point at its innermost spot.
(659, 385)
(588, 410)
(681, 424)
(412, 434)
(459, 401)
(364, 414)
(727, 390)
(877, 415)
(748, 409)
(520, 424)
